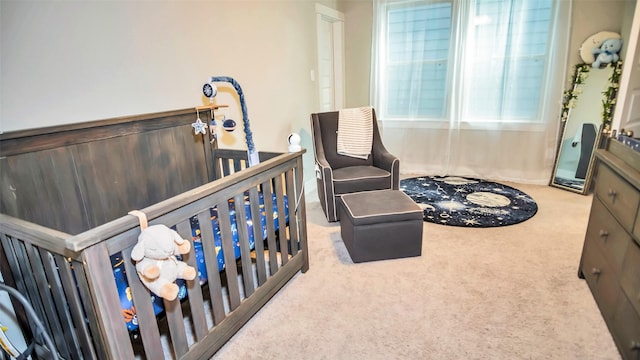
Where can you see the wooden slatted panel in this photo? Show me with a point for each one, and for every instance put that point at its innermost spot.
(74, 303)
(196, 304)
(147, 322)
(27, 284)
(211, 261)
(60, 303)
(254, 200)
(236, 319)
(267, 194)
(86, 297)
(9, 254)
(50, 315)
(243, 240)
(292, 202)
(282, 229)
(100, 278)
(229, 257)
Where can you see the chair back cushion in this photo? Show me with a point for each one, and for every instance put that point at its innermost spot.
(325, 128)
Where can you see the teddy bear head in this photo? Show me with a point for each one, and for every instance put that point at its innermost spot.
(611, 46)
(158, 242)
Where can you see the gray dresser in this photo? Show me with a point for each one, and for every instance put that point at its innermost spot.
(610, 260)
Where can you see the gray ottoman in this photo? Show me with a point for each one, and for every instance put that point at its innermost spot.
(379, 225)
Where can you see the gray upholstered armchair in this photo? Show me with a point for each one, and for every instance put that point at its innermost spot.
(339, 174)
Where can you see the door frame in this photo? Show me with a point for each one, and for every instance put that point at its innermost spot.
(336, 18)
(629, 96)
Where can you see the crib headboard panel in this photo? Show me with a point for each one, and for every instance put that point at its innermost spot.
(89, 169)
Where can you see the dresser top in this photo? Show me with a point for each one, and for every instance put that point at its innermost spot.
(622, 158)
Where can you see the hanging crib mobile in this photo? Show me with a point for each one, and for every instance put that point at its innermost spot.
(210, 90)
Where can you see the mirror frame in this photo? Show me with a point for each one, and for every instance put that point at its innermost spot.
(580, 74)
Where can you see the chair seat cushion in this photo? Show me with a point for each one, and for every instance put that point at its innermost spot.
(360, 178)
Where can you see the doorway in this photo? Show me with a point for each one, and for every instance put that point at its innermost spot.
(330, 33)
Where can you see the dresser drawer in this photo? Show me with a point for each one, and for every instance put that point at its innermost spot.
(625, 330)
(605, 232)
(618, 195)
(630, 277)
(601, 279)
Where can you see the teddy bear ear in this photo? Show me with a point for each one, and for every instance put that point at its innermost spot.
(137, 253)
(177, 238)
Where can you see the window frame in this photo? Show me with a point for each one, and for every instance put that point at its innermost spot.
(453, 83)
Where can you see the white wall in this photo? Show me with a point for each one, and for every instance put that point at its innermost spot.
(71, 61)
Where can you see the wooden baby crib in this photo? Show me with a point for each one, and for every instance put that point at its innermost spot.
(66, 192)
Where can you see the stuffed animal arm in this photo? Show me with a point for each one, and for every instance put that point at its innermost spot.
(156, 262)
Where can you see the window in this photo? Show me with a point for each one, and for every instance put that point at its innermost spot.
(487, 57)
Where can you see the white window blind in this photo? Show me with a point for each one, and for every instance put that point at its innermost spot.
(493, 53)
(418, 38)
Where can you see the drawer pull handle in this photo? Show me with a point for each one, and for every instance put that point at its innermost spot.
(635, 345)
(595, 271)
(611, 193)
(604, 233)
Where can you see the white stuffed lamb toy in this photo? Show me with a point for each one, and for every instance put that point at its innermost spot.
(156, 263)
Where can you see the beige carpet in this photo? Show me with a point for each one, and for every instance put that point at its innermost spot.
(496, 293)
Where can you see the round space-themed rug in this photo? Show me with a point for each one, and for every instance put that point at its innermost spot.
(459, 201)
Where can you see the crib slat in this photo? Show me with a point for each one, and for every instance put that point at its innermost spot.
(292, 204)
(193, 286)
(225, 167)
(301, 215)
(254, 200)
(27, 283)
(60, 304)
(245, 251)
(176, 327)
(237, 165)
(8, 245)
(229, 257)
(282, 229)
(50, 313)
(267, 194)
(107, 304)
(86, 297)
(147, 321)
(211, 260)
(75, 306)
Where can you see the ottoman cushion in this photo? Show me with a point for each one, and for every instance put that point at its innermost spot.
(380, 225)
(372, 207)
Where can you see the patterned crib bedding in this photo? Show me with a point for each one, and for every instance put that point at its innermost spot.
(128, 308)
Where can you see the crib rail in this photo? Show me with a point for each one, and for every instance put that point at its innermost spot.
(74, 288)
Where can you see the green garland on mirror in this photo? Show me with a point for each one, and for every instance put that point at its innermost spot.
(580, 73)
(609, 95)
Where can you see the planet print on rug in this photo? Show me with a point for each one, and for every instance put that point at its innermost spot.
(468, 202)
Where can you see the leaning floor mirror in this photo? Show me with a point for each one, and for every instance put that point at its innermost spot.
(586, 115)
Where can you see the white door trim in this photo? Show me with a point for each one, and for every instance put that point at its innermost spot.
(336, 18)
(628, 95)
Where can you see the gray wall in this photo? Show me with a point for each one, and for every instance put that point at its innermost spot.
(72, 61)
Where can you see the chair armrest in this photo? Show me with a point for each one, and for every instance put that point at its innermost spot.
(385, 160)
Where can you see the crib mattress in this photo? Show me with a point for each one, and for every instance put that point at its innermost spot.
(126, 302)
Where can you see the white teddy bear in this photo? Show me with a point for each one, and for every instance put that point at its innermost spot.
(156, 262)
(607, 53)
